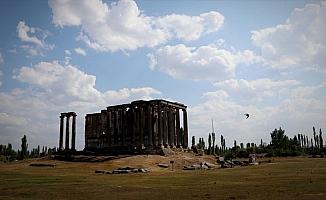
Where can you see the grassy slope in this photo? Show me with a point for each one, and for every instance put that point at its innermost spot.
(290, 178)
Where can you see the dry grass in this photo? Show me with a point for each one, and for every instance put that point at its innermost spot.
(286, 178)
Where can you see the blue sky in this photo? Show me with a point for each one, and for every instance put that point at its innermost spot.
(221, 58)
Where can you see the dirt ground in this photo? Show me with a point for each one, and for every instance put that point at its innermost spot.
(284, 178)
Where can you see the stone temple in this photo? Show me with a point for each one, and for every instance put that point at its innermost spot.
(138, 127)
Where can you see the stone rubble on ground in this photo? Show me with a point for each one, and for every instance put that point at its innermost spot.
(123, 170)
(202, 165)
(163, 165)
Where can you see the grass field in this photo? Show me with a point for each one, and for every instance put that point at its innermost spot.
(285, 178)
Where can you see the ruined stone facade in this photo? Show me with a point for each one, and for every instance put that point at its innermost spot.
(141, 126)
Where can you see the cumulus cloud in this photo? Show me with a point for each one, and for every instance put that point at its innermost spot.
(190, 27)
(123, 26)
(55, 87)
(256, 90)
(80, 51)
(34, 39)
(294, 113)
(299, 42)
(199, 63)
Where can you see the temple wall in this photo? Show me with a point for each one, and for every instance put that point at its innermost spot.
(138, 126)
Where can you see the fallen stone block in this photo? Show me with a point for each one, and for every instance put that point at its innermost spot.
(143, 170)
(163, 165)
(210, 165)
(121, 171)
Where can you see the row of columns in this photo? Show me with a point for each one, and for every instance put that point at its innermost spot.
(146, 125)
(67, 116)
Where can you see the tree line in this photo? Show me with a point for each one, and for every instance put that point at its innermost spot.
(280, 145)
(8, 154)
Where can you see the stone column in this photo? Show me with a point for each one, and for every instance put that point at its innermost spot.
(123, 126)
(185, 129)
(150, 125)
(159, 125)
(109, 127)
(134, 126)
(177, 116)
(170, 128)
(141, 126)
(174, 138)
(116, 127)
(61, 132)
(67, 132)
(165, 127)
(73, 136)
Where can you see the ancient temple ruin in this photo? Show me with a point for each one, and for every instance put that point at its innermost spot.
(141, 126)
(73, 130)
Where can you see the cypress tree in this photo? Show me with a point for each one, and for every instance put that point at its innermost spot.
(24, 146)
(209, 143)
(313, 129)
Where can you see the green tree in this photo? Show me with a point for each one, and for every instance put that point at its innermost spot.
(278, 139)
(314, 131)
(209, 144)
(193, 142)
(24, 146)
(213, 138)
(321, 141)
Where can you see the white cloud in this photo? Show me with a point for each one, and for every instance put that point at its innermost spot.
(201, 63)
(191, 27)
(34, 39)
(67, 52)
(80, 51)
(300, 41)
(53, 88)
(295, 113)
(11, 120)
(123, 26)
(256, 90)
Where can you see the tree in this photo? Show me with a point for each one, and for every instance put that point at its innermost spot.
(24, 146)
(299, 140)
(312, 144)
(235, 146)
(313, 129)
(193, 142)
(209, 144)
(203, 143)
(321, 141)
(213, 138)
(279, 139)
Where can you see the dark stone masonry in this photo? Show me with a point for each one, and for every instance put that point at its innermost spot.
(138, 127)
